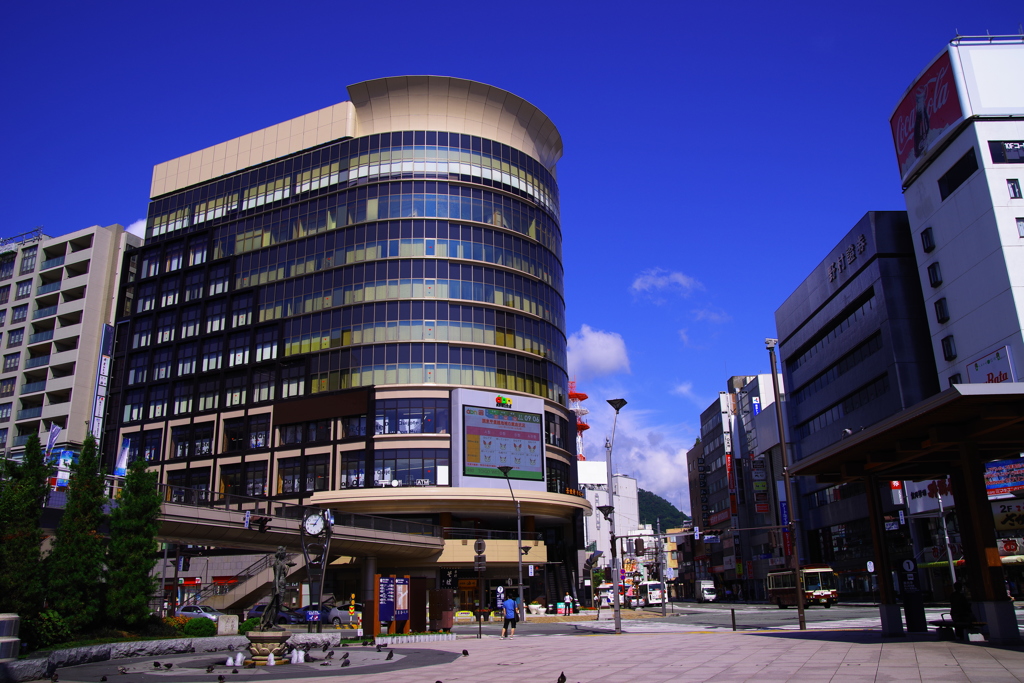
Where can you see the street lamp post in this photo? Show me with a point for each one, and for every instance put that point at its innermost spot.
(770, 344)
(608, 512)
(505, 469)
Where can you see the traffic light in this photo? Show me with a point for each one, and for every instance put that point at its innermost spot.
(592, 560)
(638, 546)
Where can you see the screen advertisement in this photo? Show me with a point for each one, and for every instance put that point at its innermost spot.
(928, 111)
(495, 436)
(1004, 476)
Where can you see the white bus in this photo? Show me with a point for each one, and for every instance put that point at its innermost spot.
(648, 593)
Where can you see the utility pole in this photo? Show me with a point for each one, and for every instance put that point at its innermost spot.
(770, 344)
(660, 548)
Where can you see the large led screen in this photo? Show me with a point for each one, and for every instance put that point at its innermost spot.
(494, 437)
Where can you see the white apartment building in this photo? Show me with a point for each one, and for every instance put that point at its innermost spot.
(56, 310)
(959, 136)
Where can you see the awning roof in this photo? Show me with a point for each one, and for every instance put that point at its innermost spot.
(924, 441)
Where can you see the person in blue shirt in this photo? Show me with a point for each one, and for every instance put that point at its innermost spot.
(508, 629)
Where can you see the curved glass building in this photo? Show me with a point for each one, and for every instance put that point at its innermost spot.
(363, 309)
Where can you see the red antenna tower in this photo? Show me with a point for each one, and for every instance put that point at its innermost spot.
(576, 399)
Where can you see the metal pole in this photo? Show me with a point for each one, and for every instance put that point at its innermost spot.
(661, 574)
(163, 584)
(617, 404)
(945, 535)
(505, 469)
(770, 344)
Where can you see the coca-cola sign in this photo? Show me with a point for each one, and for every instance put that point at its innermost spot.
(929, 110)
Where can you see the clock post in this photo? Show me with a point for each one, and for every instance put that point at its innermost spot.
(315, 533)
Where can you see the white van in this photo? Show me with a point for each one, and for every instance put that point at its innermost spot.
(706, 591)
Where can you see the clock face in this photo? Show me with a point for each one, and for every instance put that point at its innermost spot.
(314, 524)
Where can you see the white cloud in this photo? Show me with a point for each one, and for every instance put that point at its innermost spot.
(138, 228)
(685, 389)
(594, 353)
(684, 337)
(657, 279)
(716, 316)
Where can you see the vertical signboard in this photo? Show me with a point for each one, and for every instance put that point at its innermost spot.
(102, 378)
(386, 602)
(402, 598)
(929, 111)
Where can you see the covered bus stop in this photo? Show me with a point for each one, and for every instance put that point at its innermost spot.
(953, 433)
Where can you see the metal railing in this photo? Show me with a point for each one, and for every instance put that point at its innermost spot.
(37, 361)
(46, 335)
(33, 387)
(455, 532)
(181, 495)
(47, 288)
(29, 413)
(212, 589)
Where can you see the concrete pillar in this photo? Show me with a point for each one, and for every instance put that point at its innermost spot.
(888, 609)
(369, 569)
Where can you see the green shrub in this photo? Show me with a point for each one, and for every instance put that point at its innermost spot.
(249, 625)
(155, 627)
(200, 627)
(49, 628)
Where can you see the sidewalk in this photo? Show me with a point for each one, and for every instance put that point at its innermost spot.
(764, 657)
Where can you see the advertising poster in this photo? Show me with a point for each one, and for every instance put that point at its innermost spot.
(923, 496)
(1004, 476)
(992, 368)
(929, 110)
(496, 437)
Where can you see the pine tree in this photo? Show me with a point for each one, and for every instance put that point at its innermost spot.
(76, 588)
(131, 553)
(22, 494)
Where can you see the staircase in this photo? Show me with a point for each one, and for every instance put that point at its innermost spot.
(252, 583)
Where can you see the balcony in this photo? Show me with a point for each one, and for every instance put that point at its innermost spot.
(46, 335)
(21, 440)
(52, 263)
(29, 413)
(44, 312)
(37, 362)
(46, 289)
(33, 387)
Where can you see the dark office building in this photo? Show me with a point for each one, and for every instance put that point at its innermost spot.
(854, 349)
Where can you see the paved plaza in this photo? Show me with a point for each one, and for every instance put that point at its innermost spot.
(837, 656)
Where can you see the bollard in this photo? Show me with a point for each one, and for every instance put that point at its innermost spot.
(733, 619)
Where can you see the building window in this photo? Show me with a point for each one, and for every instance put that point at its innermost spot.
(5, 294)
(212, 350)
(133, 404)
(289, 475)
(15, 337)
(11, 361)
(1020, 227)
(209, 396)
(202, 439)
(165, 328)
(182, 398)
(353, 469)
(189, 486)
(412, 467)
(934, 275)
(28, 260)
(162, 364)
(556, 432)
(927, 240)
(259, 431)
(293, 381)
(353, 426)
(150, 264)
(941, 310)
(955, 379)
(235, 390)
(24, 290)
(173, 259)
(219, 280)
(181, 438)
(241, 311)
(190, 322)
(157, 402)
(186, 359)
(194, 286)
(1013, 186)
(557, 475)
(263, 385)
(151, 442)
(138, 367)
(248, 479)
(7, 267)
(238, 350)
(5, 412)
(948, 348)
(235, 435)
(7, 387)
(412, 416)
(958, 174)
(266, 344)
(19, 314)
(143, 333)
(146, 300)
(216, 315)
(169, 292)
(305, 432)
(197, 252)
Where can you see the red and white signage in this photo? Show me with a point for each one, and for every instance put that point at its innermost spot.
(929, 110)
(992, 368)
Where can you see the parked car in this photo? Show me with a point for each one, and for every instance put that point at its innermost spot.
(284, 615)
(331, 615)
(193, 611)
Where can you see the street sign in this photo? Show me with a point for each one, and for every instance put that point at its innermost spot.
(480, 562)
(871, 566)
(479, 546)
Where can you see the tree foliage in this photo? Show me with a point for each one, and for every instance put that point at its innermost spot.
(76, 589)
(132, 548)
(654, 507)
(22, 494)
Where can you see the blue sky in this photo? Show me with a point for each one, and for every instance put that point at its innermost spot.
(714, 152)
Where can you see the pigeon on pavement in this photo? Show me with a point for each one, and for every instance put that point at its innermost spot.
(391, 655)
(234, 671)
(561, 677)
(465, 653)
(330, 655)
(122, 670)
(344, 656)
(156, 665)
(168, 665)
(221, 678)
(103, 679)
(345, 663)
(53, 678)
(209, 670)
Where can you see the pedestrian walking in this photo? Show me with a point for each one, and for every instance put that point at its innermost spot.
(508, 628)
